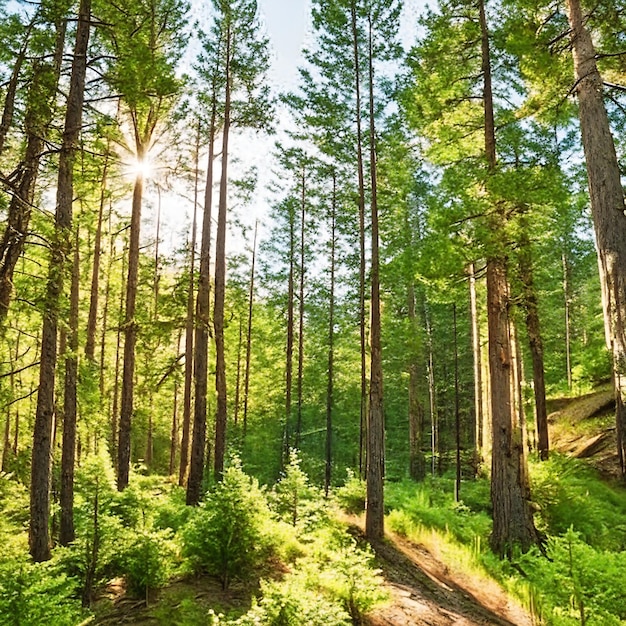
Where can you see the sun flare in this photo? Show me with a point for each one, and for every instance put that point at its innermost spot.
(141, 168)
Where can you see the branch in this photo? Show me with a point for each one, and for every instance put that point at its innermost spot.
(20, 370)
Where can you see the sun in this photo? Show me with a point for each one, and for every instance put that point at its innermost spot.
(141, 168)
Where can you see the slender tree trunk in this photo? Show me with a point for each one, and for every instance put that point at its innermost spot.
(361, 184)
(290, 333)
(375, 510)
(476, 353)
(568, 337)
(417, 461)
(331, 342)
(238, 377)
(105, 315)
(533, 329)
(7, 427)
(457, 410)
(189, 329)
(220, 278)
(201, 335)
(92, 320)
(302, 271)
(607, 205)
(39, 537)
(174, 431)
(118, 347)
(130, 337)
(434, 421)
(68, 455)
(249, 335)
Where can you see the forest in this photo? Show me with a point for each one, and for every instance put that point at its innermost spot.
(348, 353)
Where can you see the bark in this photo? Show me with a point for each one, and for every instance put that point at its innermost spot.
(457, 411)
(38, 117)
(201, 334)
(533, 328)
(7, 427)
(510, 492)
(246, 383)
(39, 537)
(174, 431)
(361, 185)
(331, 343)
(290, 333)
(417, 461)
(68, 453)
(105, 314)
(92, 320)
(476, 354)
(118, 345)
(189, 331)
(607, 205)
(130, 338)
(568, 336)
(238, 377)
(375, 510)
(220, 278)
(302, 270)
(434, 421)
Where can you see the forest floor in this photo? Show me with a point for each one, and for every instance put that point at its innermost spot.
(423, 591)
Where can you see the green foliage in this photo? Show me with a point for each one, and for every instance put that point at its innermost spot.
(146, 560)
(34, 593)
(578, 583)
(225, 535)
(351, 495)
(570, 495)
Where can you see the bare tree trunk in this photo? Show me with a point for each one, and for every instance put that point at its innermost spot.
(220, 278)
(130, 338)
(533, 328)
(510, 492)
(457, 410)
(202, 323)
(607, 205)
(249, 335)
(568, 336)
(290, 334)
(39, 537)
(417, 462)
(361, 185)
(331, 342)
(68, 456)
(174, 432)
(92, 320)
(116, 383)
(476, 353)
(189, 329)
(238, 377)
(302, 271)
(375, 510)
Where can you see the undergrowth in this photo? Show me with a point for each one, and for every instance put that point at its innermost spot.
(577, 577)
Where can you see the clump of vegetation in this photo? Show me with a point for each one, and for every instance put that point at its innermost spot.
(351, 495)
(226, 534)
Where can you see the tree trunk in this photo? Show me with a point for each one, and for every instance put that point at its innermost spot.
(533, 329)
(290, 334)
(457, 410)
(118, 344)
(238, 377)
(510, 492)
(68, 455)
(189, 329)
(361, 184)
(607, 205)
(331, 343)
(417, 461)
(130, 338)
(39, 537)
(220, 278)
(375, 510)
(568, 337)
(302, 270)
(476, 354)
(246, 384)
(201, 335)
(92, 320)
(174, 431)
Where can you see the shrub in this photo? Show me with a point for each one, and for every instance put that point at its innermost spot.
(225, 535)
(351, 495)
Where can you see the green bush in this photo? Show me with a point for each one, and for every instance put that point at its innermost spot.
(225, 535)
(351, 495)
(35, 593)
(146, 560)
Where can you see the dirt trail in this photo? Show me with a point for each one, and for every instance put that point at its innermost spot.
(424, 592)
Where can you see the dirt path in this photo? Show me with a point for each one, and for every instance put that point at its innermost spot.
(424, 592)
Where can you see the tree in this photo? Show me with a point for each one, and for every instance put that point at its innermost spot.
(145, 43)
(39, 539)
